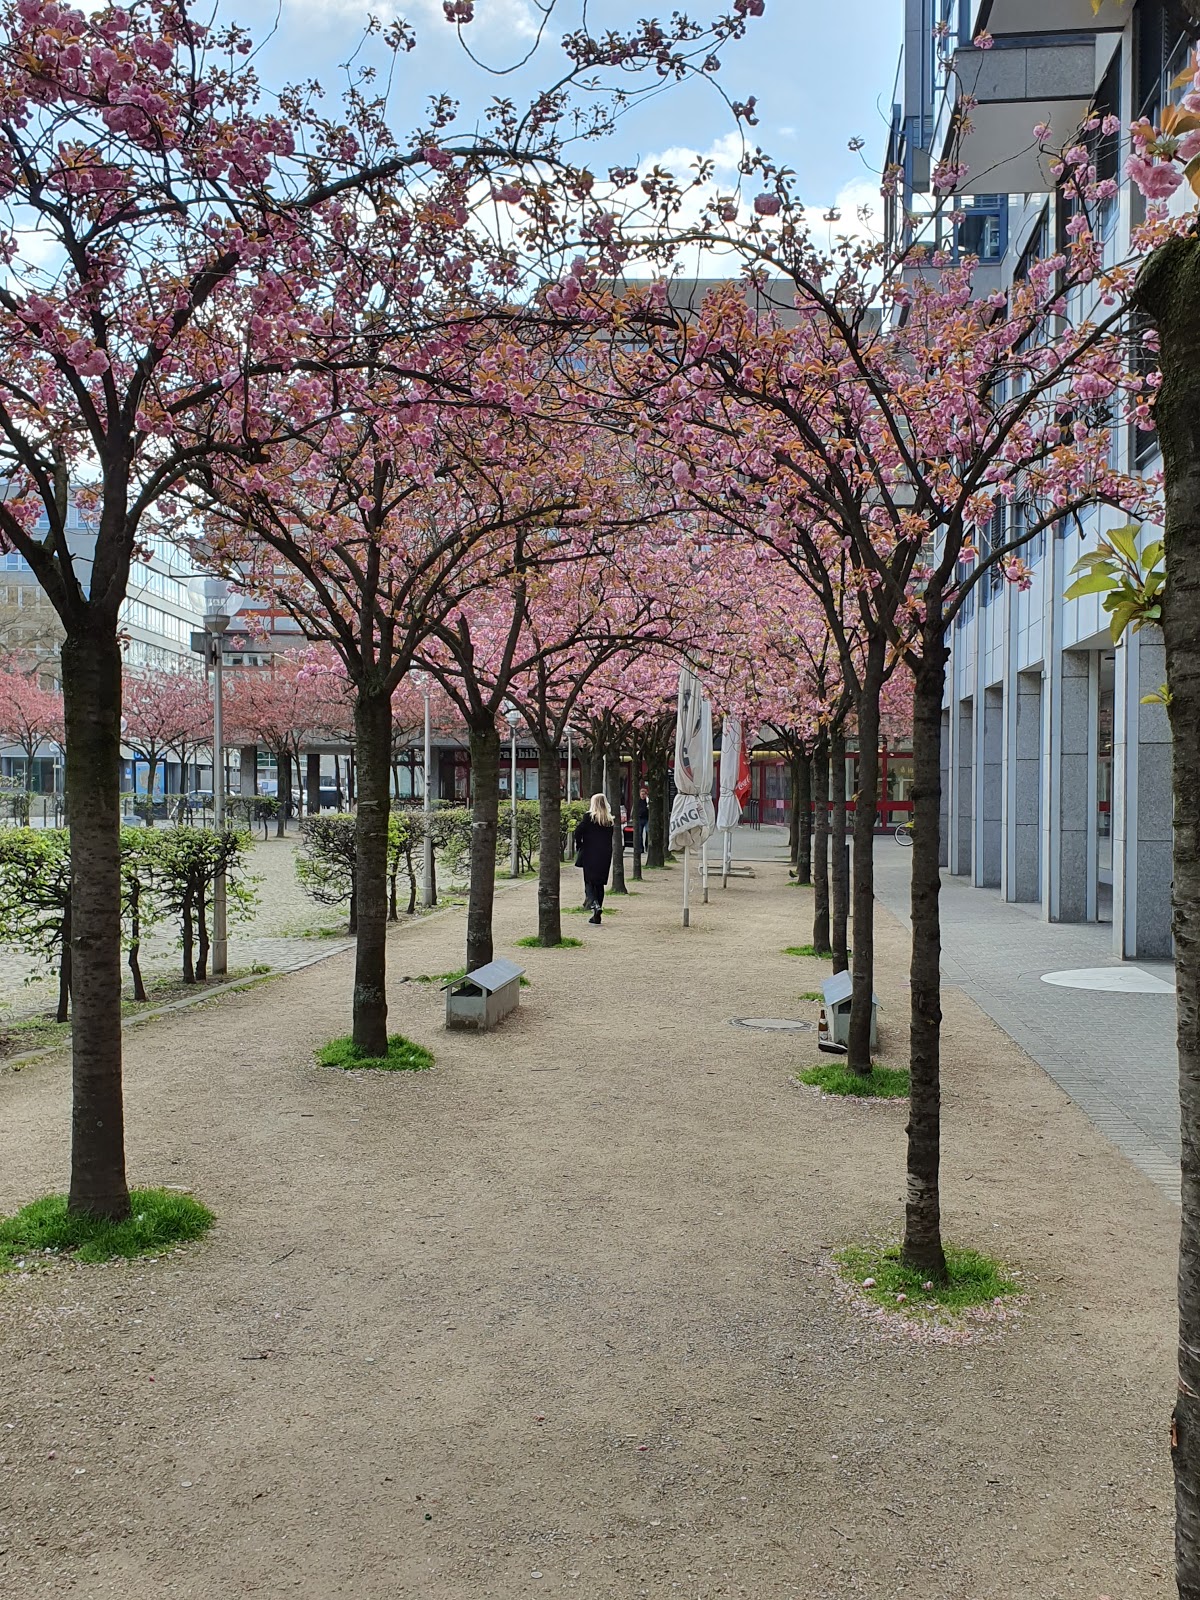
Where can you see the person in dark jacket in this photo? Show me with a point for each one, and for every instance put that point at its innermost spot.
(593, 852)
(643, 817)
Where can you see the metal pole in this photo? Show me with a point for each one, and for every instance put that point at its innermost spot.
(220, 943)
(704, 869)
(427, 852)
(727, 858)
(687, 910)
(514, 860)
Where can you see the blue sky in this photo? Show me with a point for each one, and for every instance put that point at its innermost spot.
(821, 72)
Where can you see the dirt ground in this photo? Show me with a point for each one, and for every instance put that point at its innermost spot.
(553, 1318)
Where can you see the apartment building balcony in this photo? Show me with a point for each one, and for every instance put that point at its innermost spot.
(1021, 82)
(1002, 18)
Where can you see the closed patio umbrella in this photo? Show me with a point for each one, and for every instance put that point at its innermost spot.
(735, 788)
(692, 816)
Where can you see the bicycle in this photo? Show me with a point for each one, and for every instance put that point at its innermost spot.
(904, 833)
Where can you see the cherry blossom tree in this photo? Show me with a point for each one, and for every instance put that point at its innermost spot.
(164, 713)
(30, 716)
(884, 426)
(297, 700)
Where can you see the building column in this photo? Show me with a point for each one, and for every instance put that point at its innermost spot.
(1142, 803)
(989, 791)
(1072, 782)
(248, 777)
(944, 803)
(312, 782)
(1024, 785)
(963, 769)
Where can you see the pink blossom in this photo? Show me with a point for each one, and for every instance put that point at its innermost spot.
(1157, 180)
(767, 205)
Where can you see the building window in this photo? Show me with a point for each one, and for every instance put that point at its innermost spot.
(983, 230)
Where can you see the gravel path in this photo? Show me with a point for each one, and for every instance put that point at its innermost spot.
(552, 1318)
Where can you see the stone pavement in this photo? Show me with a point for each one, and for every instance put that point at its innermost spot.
(1114, 1054)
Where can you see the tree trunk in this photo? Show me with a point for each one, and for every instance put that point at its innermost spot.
(91, 680)
(615, 789)
(793, 810)
(186, 932)
(858, 1051)
(135, 943)
(820, 874)
(151, 770)
(922, 1248)
(283, 766)
(1169, 289)
(373, 745)
(549, 839)
(839, 868)
(64, 969)
(485, 814)
(804, 855)
(201, 936)
(656, 834)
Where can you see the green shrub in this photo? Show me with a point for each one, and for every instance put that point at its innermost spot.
(35, 900)
(326, 861)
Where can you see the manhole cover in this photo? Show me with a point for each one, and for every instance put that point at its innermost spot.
(772, 1024)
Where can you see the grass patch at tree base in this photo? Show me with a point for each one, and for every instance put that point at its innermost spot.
(158, 1220)
(402, 1056)
(808, 950)
(586, 911)
(533, 941)
(973, 1280)
(835, 1077)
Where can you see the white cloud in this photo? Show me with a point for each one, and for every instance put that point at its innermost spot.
(514, 20)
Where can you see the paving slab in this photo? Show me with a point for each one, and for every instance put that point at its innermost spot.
(1111, 1049)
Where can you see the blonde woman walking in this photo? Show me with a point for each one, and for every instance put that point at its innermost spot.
(593, 852)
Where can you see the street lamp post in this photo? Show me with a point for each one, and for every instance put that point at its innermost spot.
(513, 716)
(212, 595)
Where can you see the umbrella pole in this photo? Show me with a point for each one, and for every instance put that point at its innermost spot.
(687, 915)
(704, 869)
(727, 858)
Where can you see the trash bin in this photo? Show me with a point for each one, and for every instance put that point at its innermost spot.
(833, 1034)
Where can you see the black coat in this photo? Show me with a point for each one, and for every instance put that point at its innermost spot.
(594, 847)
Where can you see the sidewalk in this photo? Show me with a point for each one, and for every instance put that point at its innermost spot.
(1113, 1053)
